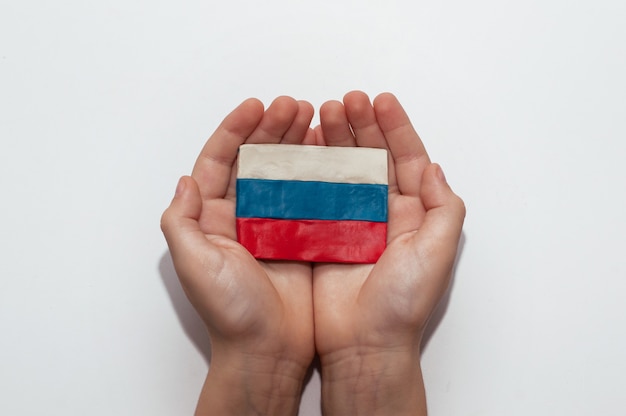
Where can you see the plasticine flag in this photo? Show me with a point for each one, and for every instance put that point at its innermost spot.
(312, 203)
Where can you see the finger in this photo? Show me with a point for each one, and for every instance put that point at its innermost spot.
(362, 119)
(319, 136)
(276, 121)
(407, 150)
(367, 132)
(180, 226)
(309, 137)
(213, 167)
(300, 126)
(335, 126)
(438, 236)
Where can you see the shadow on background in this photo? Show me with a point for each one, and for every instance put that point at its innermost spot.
(442, 307)
(190, 321)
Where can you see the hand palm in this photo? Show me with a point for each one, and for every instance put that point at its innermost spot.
(262, 307)
(277, 294)
(379, 306)
(374, 299)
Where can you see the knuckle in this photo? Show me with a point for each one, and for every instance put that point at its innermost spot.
(460, 206)
(166, 221)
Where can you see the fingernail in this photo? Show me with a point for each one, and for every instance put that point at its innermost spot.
(440, 174)
(180, 187)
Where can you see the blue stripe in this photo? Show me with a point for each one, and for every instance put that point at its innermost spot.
(264, 198)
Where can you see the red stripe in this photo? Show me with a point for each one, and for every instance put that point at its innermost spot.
(312, 240)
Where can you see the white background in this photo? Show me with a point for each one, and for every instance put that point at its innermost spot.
(103, 105)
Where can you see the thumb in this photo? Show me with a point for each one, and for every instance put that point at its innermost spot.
(179, 222)
(445, 213)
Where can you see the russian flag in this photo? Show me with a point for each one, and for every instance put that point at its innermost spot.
(312, 203)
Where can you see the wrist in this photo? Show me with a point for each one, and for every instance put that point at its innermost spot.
(246, 384)
(372, 381)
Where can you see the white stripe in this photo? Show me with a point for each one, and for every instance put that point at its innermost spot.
(313, 163)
